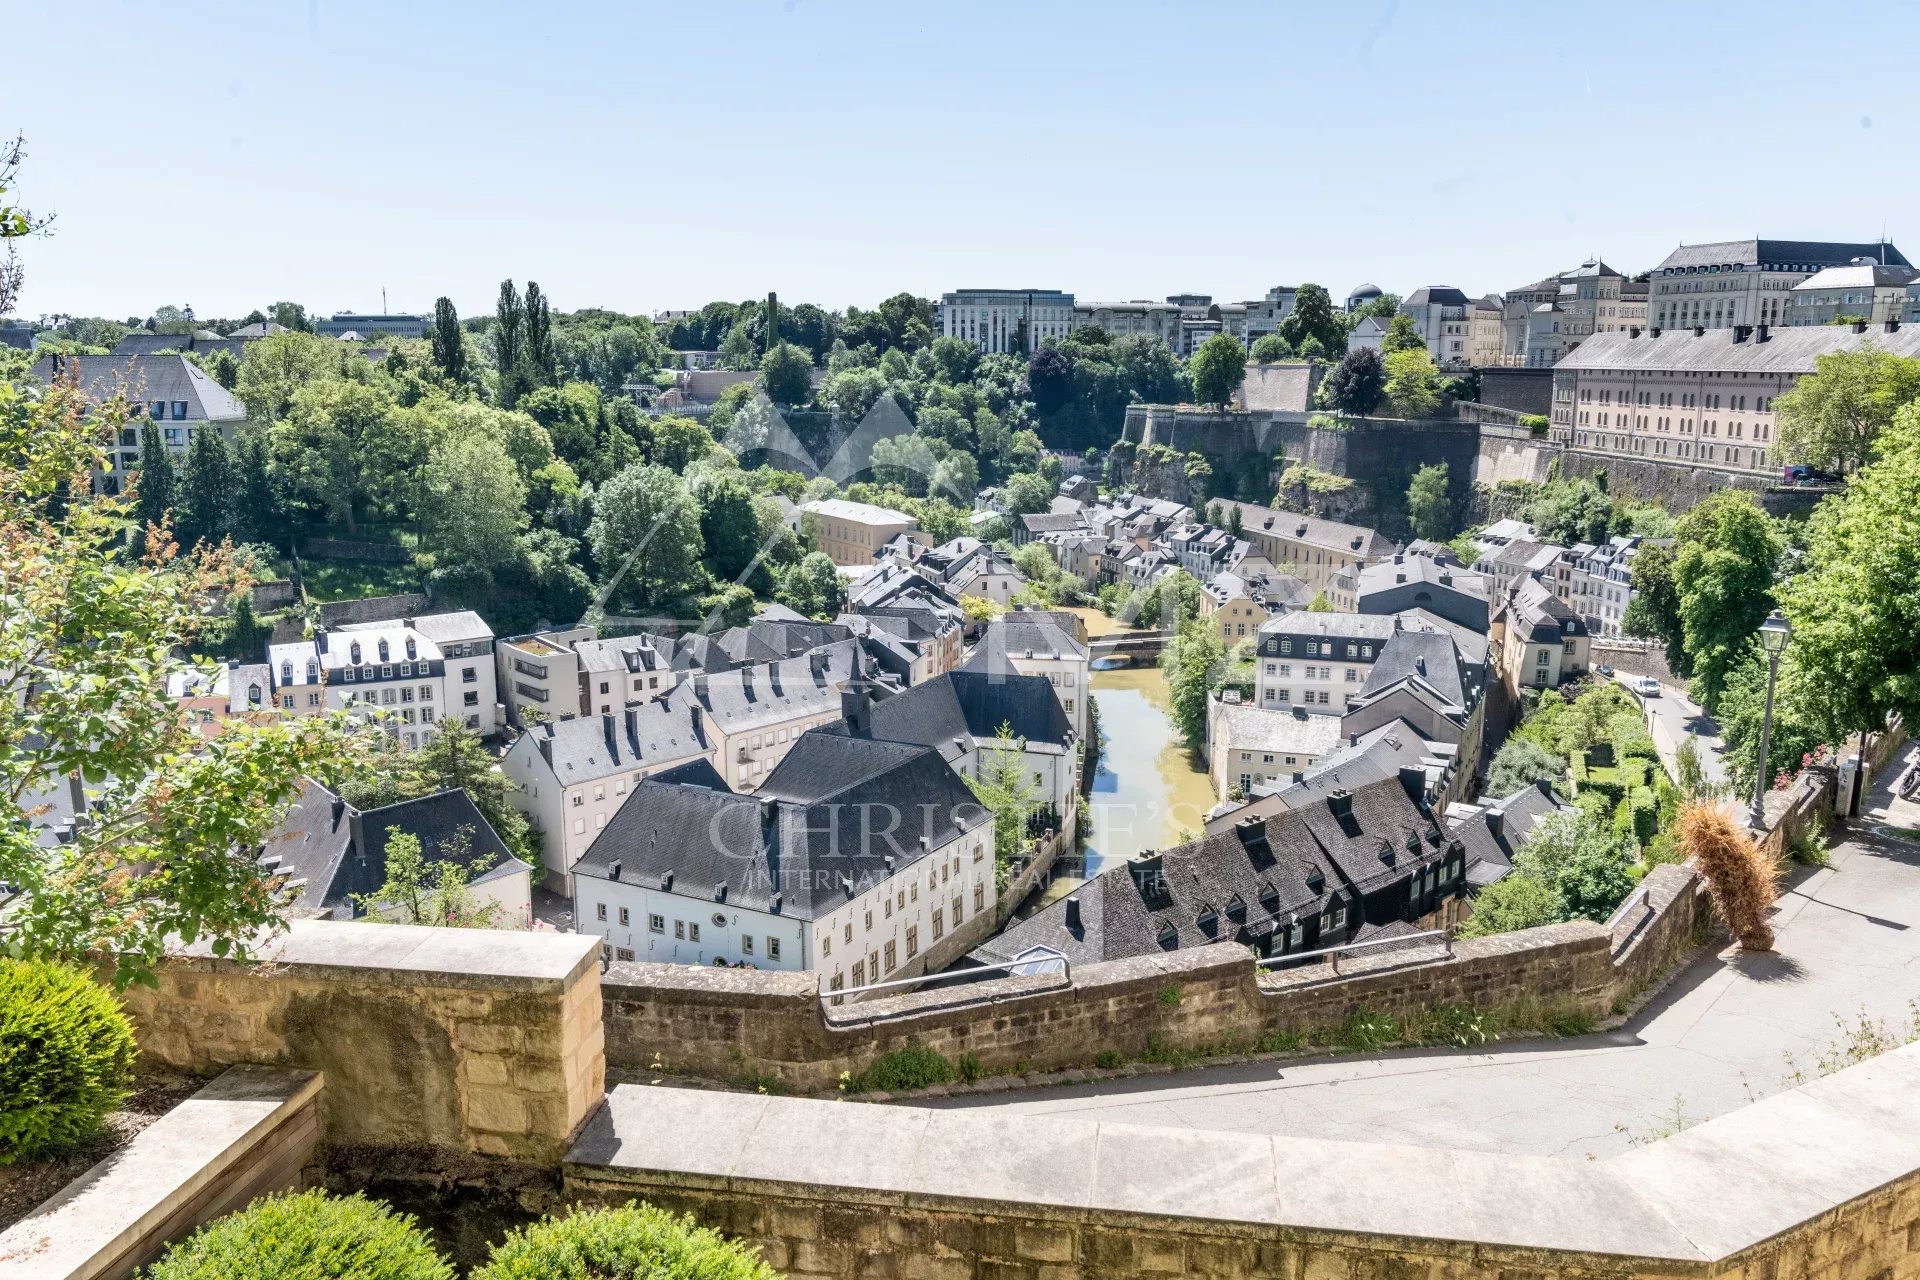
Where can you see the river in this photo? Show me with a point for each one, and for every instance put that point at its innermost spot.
(1148, 791)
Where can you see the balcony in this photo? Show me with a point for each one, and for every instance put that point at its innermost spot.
(532, 693)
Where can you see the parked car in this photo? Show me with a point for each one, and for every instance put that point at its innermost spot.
(1605, 668)
(1647, 687)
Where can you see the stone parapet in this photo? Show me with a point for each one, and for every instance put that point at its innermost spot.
(480, 1040)
(1822, 1181)
(247, 1134)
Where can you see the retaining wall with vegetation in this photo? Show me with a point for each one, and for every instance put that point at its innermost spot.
(754, 1026)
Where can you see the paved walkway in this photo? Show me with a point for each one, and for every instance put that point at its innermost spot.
(1715, 1039)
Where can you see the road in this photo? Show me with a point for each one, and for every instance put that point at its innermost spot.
(1717, 1038)
(1673, 718)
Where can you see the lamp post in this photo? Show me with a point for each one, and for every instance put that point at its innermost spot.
(1774, 634)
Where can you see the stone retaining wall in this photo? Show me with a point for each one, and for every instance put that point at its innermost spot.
(476, 1040)
(1820, 1182)
(751, 1026)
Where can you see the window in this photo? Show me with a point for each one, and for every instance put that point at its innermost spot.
(578, 799)
(579, 826)
(913, 941)
(773, 948)
(656, 923)
(468, 677)
(939, 922)
(623, 916)
(693, 931)
(746, 944)
(873, 962)
(680, 930)
(826, 943)
(471, 700)
(600, 910)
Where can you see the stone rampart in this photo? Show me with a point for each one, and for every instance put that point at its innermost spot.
(753, 1026)
(476, 1040)
(1822, 1181)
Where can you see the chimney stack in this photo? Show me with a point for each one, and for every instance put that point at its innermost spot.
(1073, 913)
(1340, 803)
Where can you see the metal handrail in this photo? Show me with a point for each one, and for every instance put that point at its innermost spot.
(1065, 971)
(1356, 946)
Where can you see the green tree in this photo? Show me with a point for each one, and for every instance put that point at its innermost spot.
(678, 442)
(1516, 902)
(1791, 737)
(436, 892)
(1855, 603)
(1027, 493)
(1356, 384)
(1217, 369)
(1654, 611)
(1193, 663)
(787, 375)
(1320, 603)
(207, 489)
(449, 342)
(1401, 335)
(1723, 577)
(1570, 511)
(1270, 348)
(541, 366)
(646, 533)
(1580, 857)
(157, 488)
(225, 369)
(1313, 318)
(1413, 384)
(1429, 504)
(173, 822)
(729, 523)
(1833, 418)
(510, 345)
(473, 504)
(279, 365)
(1003, 787)
(811, 587)
(332, 447)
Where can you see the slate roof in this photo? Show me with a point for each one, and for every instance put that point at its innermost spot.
(1294, 731)
(1864, 275)
(858, 512)
(774, 693)
(954, 711)
(1429, 656)
(585, 748)
(1779, 253)
(1786, 351)
(1237, 884)
(803, 845)
(1436, 295)
(1492, 831)
(328, 851)
(165, 375)
(1018, 636)
(1540, 615)
(1297, 526)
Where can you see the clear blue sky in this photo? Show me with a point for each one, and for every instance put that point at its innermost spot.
(641, 156)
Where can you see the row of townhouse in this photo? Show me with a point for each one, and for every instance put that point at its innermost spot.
(414, 672)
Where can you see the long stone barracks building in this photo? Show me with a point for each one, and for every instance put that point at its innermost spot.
(1337, 866)
(861, 860)
(1700, 397)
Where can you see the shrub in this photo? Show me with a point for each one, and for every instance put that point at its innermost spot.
(1738, 875)
(310, 1236)
(66, 1057)
(1108, 1059)
(913, 1067)
(635, 1242)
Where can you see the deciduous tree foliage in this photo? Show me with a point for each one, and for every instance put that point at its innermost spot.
(1654, 611)
(1356, 384)
(646, 534)
(1413, 384)
(449, 342)
(1314, 317)
(1832, 420)
(1723, 576)
(1429, 504)
(473, 504)
(1855, 603)
(1217, 369)
(786, 374)
(87, 640)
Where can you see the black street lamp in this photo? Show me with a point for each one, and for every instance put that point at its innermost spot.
(1774, 634)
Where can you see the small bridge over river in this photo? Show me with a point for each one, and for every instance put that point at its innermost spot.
(1128, 648)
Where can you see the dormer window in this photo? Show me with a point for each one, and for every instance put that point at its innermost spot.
(385, 656)
(1236, 908)
(412, 649)
(286, 673)
(1169, 938)
(1208, 920)
(253, 695)
(353, 653)
(1269, 899)
(313, 672)
(1315, 881)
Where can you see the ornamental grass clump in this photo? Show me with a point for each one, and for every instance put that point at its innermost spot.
(636, 1242)
(66, 1058)
(310, 1236)
(1739, 877)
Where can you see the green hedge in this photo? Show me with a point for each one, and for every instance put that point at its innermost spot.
(638, 1242)
(311, 1236)
(66, 1057)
